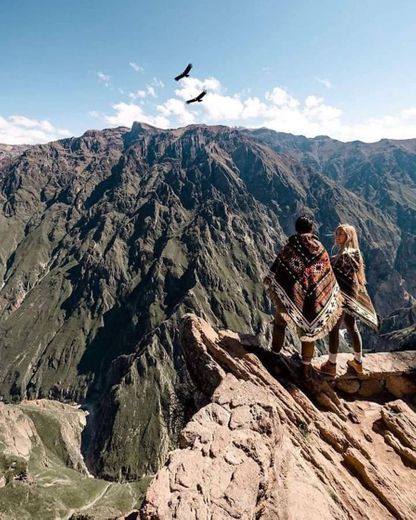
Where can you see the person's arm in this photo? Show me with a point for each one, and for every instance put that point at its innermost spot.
(357, 264)
(274, 264)
(273, 267)
(266, 279)
(355, 260)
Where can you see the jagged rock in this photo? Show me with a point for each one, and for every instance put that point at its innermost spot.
(349, 386)
(393, 373)
(406, 453)
(401, 385)
(388, 491)
(261, 448)
(401, 422)
(371, 387)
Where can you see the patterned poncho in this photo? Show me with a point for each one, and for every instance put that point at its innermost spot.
(357, 302)
(302, 284)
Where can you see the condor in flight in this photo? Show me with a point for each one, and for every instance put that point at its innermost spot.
(185, 73)
(198, 98)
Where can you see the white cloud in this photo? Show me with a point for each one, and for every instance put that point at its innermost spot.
(142, 94)
(399, 126)
(325, 82)
(18, 129)
(408, 113)
(314, 117)
(253, 108)
(127, 113)
(95, 113)
(313, 101)
(177, 108)
(279, 97)
(277, 109)
(139, 94)
(311, 117)
(244, 92)
(218, 107)
(151, 91)
(105, 78)
(316, 108)
(157, 83)
(191, 87)
(136, 66)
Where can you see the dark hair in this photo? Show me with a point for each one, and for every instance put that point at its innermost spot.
(304, 224)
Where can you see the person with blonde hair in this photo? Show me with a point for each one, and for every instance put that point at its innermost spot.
(349, 269)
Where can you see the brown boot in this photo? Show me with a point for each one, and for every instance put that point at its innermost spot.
(357, 367)
(328, 368)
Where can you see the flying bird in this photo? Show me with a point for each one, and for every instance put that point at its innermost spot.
(185, 73)
(198, 98)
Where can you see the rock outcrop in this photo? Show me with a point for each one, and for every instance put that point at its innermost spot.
(393, 373)
(48, 427)
(43, 474)
(265, 445)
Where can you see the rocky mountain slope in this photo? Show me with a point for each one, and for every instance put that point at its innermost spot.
(383, 174)
(263, 445)
(107, 240)
(42, 471)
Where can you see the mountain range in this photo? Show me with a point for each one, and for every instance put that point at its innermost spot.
(108, 239)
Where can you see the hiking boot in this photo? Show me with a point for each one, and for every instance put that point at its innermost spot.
(357, 367)
(328, 368)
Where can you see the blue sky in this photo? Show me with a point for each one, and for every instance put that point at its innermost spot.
(341, 68)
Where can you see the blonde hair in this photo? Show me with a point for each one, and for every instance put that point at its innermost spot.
(352, 243)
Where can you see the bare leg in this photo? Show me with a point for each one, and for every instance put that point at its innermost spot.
(279, 333)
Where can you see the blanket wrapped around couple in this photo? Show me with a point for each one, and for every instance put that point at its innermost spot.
(357, 302)
(302, 284)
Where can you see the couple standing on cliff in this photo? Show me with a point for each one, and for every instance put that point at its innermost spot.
(315, 293)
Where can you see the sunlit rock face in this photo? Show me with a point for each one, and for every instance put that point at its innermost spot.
(266, 444)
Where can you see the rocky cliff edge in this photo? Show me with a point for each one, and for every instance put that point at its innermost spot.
(264, 445)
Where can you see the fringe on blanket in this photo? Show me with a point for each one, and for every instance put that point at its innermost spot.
(323, 331)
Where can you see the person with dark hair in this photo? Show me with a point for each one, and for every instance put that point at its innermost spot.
(303, 287)
(304, 224)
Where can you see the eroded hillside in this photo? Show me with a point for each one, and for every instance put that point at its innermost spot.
(107, 240)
